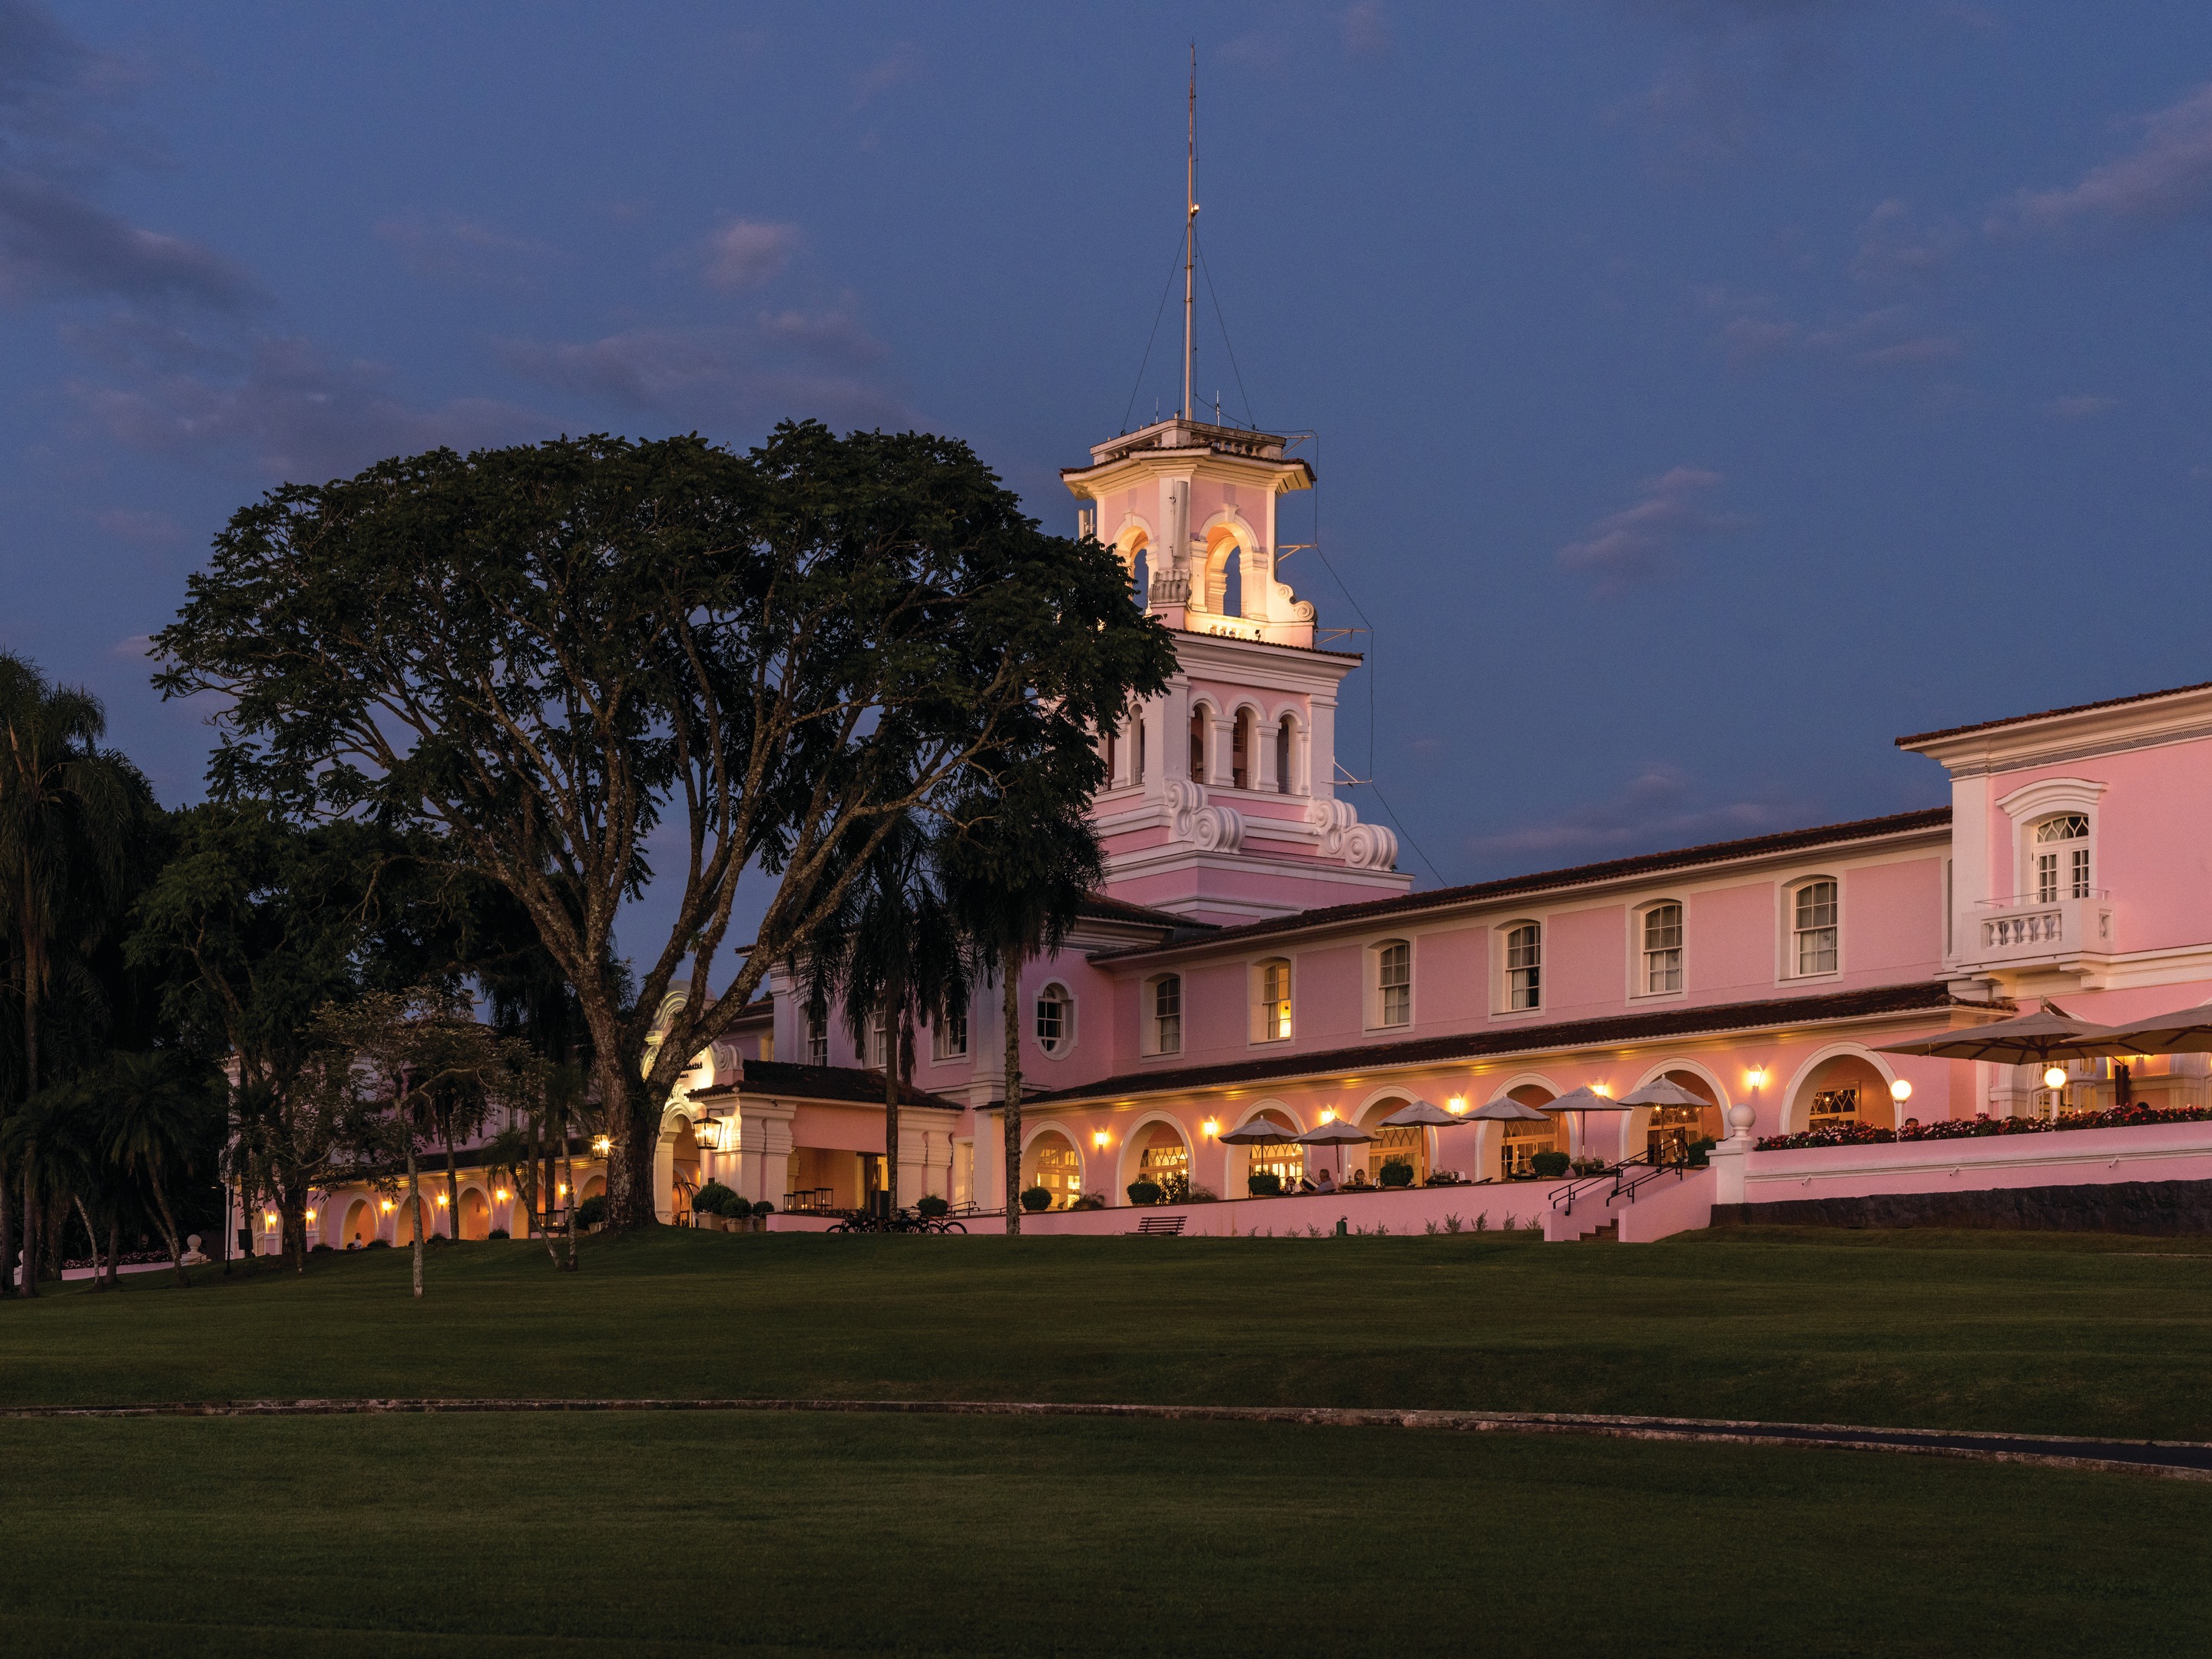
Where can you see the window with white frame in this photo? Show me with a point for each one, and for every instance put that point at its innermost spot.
(1524, 966)
(1163, 1015)
(1663, 949)
(1282, 786)
(1055, 1019)
(949, 1040)
(1394, 983)
(2062, 858)
(879, 1040)
(1272, 1011)
(818, 1036)
(1812, 924)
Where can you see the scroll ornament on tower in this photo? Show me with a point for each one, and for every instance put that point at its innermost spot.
(1211, 829)
(1362, 846)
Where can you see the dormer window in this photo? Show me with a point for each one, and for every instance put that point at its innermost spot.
(2062, 858)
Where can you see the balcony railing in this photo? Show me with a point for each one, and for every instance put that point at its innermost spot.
(2025, 927)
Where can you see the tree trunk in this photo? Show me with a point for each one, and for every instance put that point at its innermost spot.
(169, 1234)
(114, 1250)
(30, 1234)
(569, 1160)
(1013, 973)
(414, 1199)
(632, 1137)
(452, 1183)
(91, 1239)
(890, 1114)
(7, 1230)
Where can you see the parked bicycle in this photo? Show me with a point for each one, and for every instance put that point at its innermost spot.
(898, 1221)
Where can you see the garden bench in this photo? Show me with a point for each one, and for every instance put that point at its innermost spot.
(1161, 1226)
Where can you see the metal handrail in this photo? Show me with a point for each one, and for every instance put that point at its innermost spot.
(1573, 1188)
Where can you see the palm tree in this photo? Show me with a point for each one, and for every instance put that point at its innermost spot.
(1019, 862)
(69, 811)
(156, 1122)
(892, 954)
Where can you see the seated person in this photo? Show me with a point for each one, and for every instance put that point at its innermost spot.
(1326, 1183)
(1358, 1178)
(1305, 1184)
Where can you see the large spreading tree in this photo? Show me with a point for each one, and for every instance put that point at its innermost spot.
(590, 663)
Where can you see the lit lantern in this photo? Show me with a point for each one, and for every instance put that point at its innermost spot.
(1211, 1126)
(441, 1200)
(501, 1195)
(2055, 1077)
(1100, 1138)
(1900, 1092)
(385, 1206)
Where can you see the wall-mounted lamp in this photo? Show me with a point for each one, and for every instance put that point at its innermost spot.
(441, 1200)
(1328, 1113)
(601, 1145)
(1100, 1138)
(707, 1132)
(311, 1215)
(1211, 1126)
(1756, 1077)
(1602, 1090)
(1456, 1104)
(385, 1206)
(1900, 1092)
(501, 1195)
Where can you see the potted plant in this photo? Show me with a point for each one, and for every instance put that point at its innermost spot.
(1036, 1199)
(1089, 1201)
(591, 1212)
(930, 1205)
(1145, 1190)
(1264, 1183)
(1397, 1172)
(1548, 1164)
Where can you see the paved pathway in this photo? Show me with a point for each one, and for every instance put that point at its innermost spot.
(2185, 1460)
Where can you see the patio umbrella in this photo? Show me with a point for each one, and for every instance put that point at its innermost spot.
(2187, 1032)
(1582, 1100)
(1663, 1092)
(1334, 1133)
(1420, 1114)
(1260, 1132)
(1506, 1110)
(2049, 1033)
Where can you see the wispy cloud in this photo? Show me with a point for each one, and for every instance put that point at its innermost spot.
(1657, 808)
(283, 408)
(1893, 248)
(453, 249)
(2083, 406)
(1644, 542)
(1896, 336)
(746, 252)
(903, 63)
(2166, 177)
(788, 364)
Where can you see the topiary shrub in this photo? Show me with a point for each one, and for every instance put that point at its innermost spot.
(499, 1232)
(715, 1199)
(1396, 1172)
(1142, 1191)
(320, 1249)
(764, 1208)
(1265, 1183)
(1036, 1199)
(593, 1211)
(1548, 1163)
(930, 1205)
(378, 1244)
(1089, 1201)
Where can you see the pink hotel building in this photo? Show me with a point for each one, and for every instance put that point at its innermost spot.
(1256, 954)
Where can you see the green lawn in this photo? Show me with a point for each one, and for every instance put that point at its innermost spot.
(769, 1533)
(1987, 1332)
(511, 1535)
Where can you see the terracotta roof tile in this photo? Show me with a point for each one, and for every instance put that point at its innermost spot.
(845, 1084)
(2050, 714)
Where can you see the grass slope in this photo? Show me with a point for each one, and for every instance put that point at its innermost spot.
(889, 1535)
(2059, 1336)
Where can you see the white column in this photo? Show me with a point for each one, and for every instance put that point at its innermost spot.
(990, 1160)
(1221, 753)
(765, 1150)
(1321, 748)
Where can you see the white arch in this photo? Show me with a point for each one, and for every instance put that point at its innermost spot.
(1128, 1170)
(1032, 1133)
(1274, 1108)
(1232, 529)
(1519, 1079)
(1787, 1115)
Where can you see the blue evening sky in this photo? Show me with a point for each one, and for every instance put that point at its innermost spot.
(1706, 392)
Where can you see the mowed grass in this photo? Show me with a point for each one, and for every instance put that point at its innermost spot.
(2057, 1334)
(765, 1534)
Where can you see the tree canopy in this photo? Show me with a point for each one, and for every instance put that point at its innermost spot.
(584, 664)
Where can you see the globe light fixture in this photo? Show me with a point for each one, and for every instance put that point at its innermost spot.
(2055, 1077)
(1900, 1092)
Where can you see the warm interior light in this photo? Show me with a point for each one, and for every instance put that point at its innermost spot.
(2055, 1077)
(1900, 1092)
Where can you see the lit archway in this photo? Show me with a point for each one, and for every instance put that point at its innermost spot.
(1051, 1160)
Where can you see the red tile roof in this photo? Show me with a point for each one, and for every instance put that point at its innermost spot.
(843, 1085)
(2050, 714)
(1719, 852)
(1931, 997)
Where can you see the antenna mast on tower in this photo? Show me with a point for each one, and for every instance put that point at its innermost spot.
(1189, 234)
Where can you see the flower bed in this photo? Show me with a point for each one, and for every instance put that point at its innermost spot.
(1981, 1124)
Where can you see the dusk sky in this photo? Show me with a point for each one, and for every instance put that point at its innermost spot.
(1705, 392)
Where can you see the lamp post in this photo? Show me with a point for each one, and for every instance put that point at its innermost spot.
(2054, 1078)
